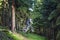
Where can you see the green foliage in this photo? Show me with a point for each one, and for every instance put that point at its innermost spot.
(1, 3)
(3, 36)
(44, 12)
(58, 21)
(58, 36)
(58, 6)
(52, 15)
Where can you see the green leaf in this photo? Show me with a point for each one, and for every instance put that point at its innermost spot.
(58, 21)
(52, 15)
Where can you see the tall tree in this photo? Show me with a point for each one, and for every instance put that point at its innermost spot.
(13, 15)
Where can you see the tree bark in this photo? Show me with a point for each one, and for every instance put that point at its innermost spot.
(13, 16)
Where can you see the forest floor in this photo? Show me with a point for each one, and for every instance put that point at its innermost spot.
(8, 35)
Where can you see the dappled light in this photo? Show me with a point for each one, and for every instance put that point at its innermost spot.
(29, 19)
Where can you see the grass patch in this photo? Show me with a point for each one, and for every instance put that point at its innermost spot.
(13, 36)
(22, 36)
(31, 36)
(8, 35)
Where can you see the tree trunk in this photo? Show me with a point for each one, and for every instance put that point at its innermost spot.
(13, 16)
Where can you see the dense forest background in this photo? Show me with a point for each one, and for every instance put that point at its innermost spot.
(44, 13)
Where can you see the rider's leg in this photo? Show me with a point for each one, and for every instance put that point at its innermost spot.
(32, 29)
